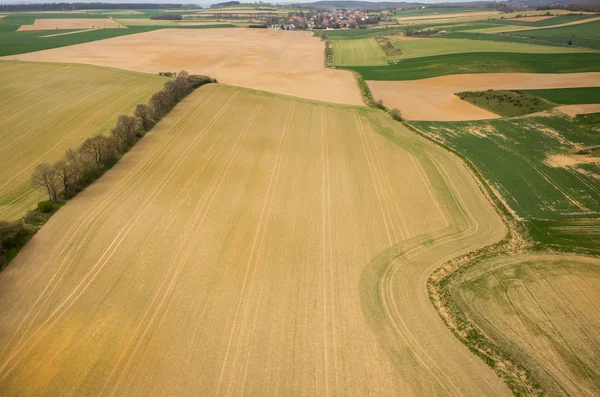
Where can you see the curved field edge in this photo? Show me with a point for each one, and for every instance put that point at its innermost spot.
(541, 308)
(507, 366)
(107, 249)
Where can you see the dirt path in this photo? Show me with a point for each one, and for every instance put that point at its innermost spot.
(290, 63)
(251, 244)
(434, 99)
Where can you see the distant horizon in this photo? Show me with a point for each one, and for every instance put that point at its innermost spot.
(206, 4)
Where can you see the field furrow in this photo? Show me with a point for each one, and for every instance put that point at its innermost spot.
(251, 244)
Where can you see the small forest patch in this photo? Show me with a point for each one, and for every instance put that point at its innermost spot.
(506, 103)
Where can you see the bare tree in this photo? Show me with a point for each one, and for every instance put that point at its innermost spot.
(45, 176)
(126, 130)
(160, 103)
(64, 171)
(77, 160)
(145, 114)
(99, 148)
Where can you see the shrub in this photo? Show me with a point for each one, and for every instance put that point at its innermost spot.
(12, 234)
(396, 115)
(47, 206)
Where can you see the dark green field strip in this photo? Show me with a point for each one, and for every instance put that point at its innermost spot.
(537, 191)
(12, 43)
(504, 38)
(557, 20)
(581, 235)
(589, 30)
(569, 96)
(463, 28)
(353, 34)
(592, 119)
(440, 65)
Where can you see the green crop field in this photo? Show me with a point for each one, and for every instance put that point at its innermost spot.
(14, 42)
(501, 37)
(47, 108)
(584, 34)
(438, 10)
(353, 34)
(553, 183)
(440, 46)
(358, 52)
(569, 96)
(421, 68)
(557, 20)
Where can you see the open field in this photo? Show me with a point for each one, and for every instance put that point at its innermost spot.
(158, 22)
(289, 63)
(434, 99)
(13, 41)
(425, 47)
(478, 14)
(580, 34)
(470, 63)
(569, 96)
(542, 309)
(358, 52)
(48, 108)
(574, 110)
(71, 23)
(251, 244)
(546, 186)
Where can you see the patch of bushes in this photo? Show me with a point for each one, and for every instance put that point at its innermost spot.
(167, 17)
(506, 103)
(67, 177)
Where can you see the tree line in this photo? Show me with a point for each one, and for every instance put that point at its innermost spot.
(167, 17)
(88, 6)
(70, 175)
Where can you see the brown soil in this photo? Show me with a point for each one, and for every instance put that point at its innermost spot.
(289, 63)
(434, 99)
(71, 23)
(574, 110)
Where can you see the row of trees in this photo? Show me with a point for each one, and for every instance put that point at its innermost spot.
(80, 167)
(68, 176)
(167, 17)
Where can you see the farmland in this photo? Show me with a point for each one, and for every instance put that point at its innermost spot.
(428, 225)
(227, 216)
(554, 182)
(290, 63)
(358, 52)
(542, 309)
(48, 108)
(435, 99)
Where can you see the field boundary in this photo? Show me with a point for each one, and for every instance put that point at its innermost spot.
(27, 226)
(518, 378)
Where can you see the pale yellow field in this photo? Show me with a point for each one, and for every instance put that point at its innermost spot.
(574, 110)
(434, 99)
(71, 23)
(291, 63)
(479, 14)
(46, 109)
(543, 310)
(251, 244)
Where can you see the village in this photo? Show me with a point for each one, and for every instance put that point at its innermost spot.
(334, 19)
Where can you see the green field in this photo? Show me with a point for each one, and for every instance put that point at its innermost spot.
(569, 96)
(421, 68)
(353, 34)
(13, 42)
(358, 52)
(506, 103)
(47, 108)
(441, 46)
(584, 35)
(541, 191)
(557, 20)
(437, 10)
